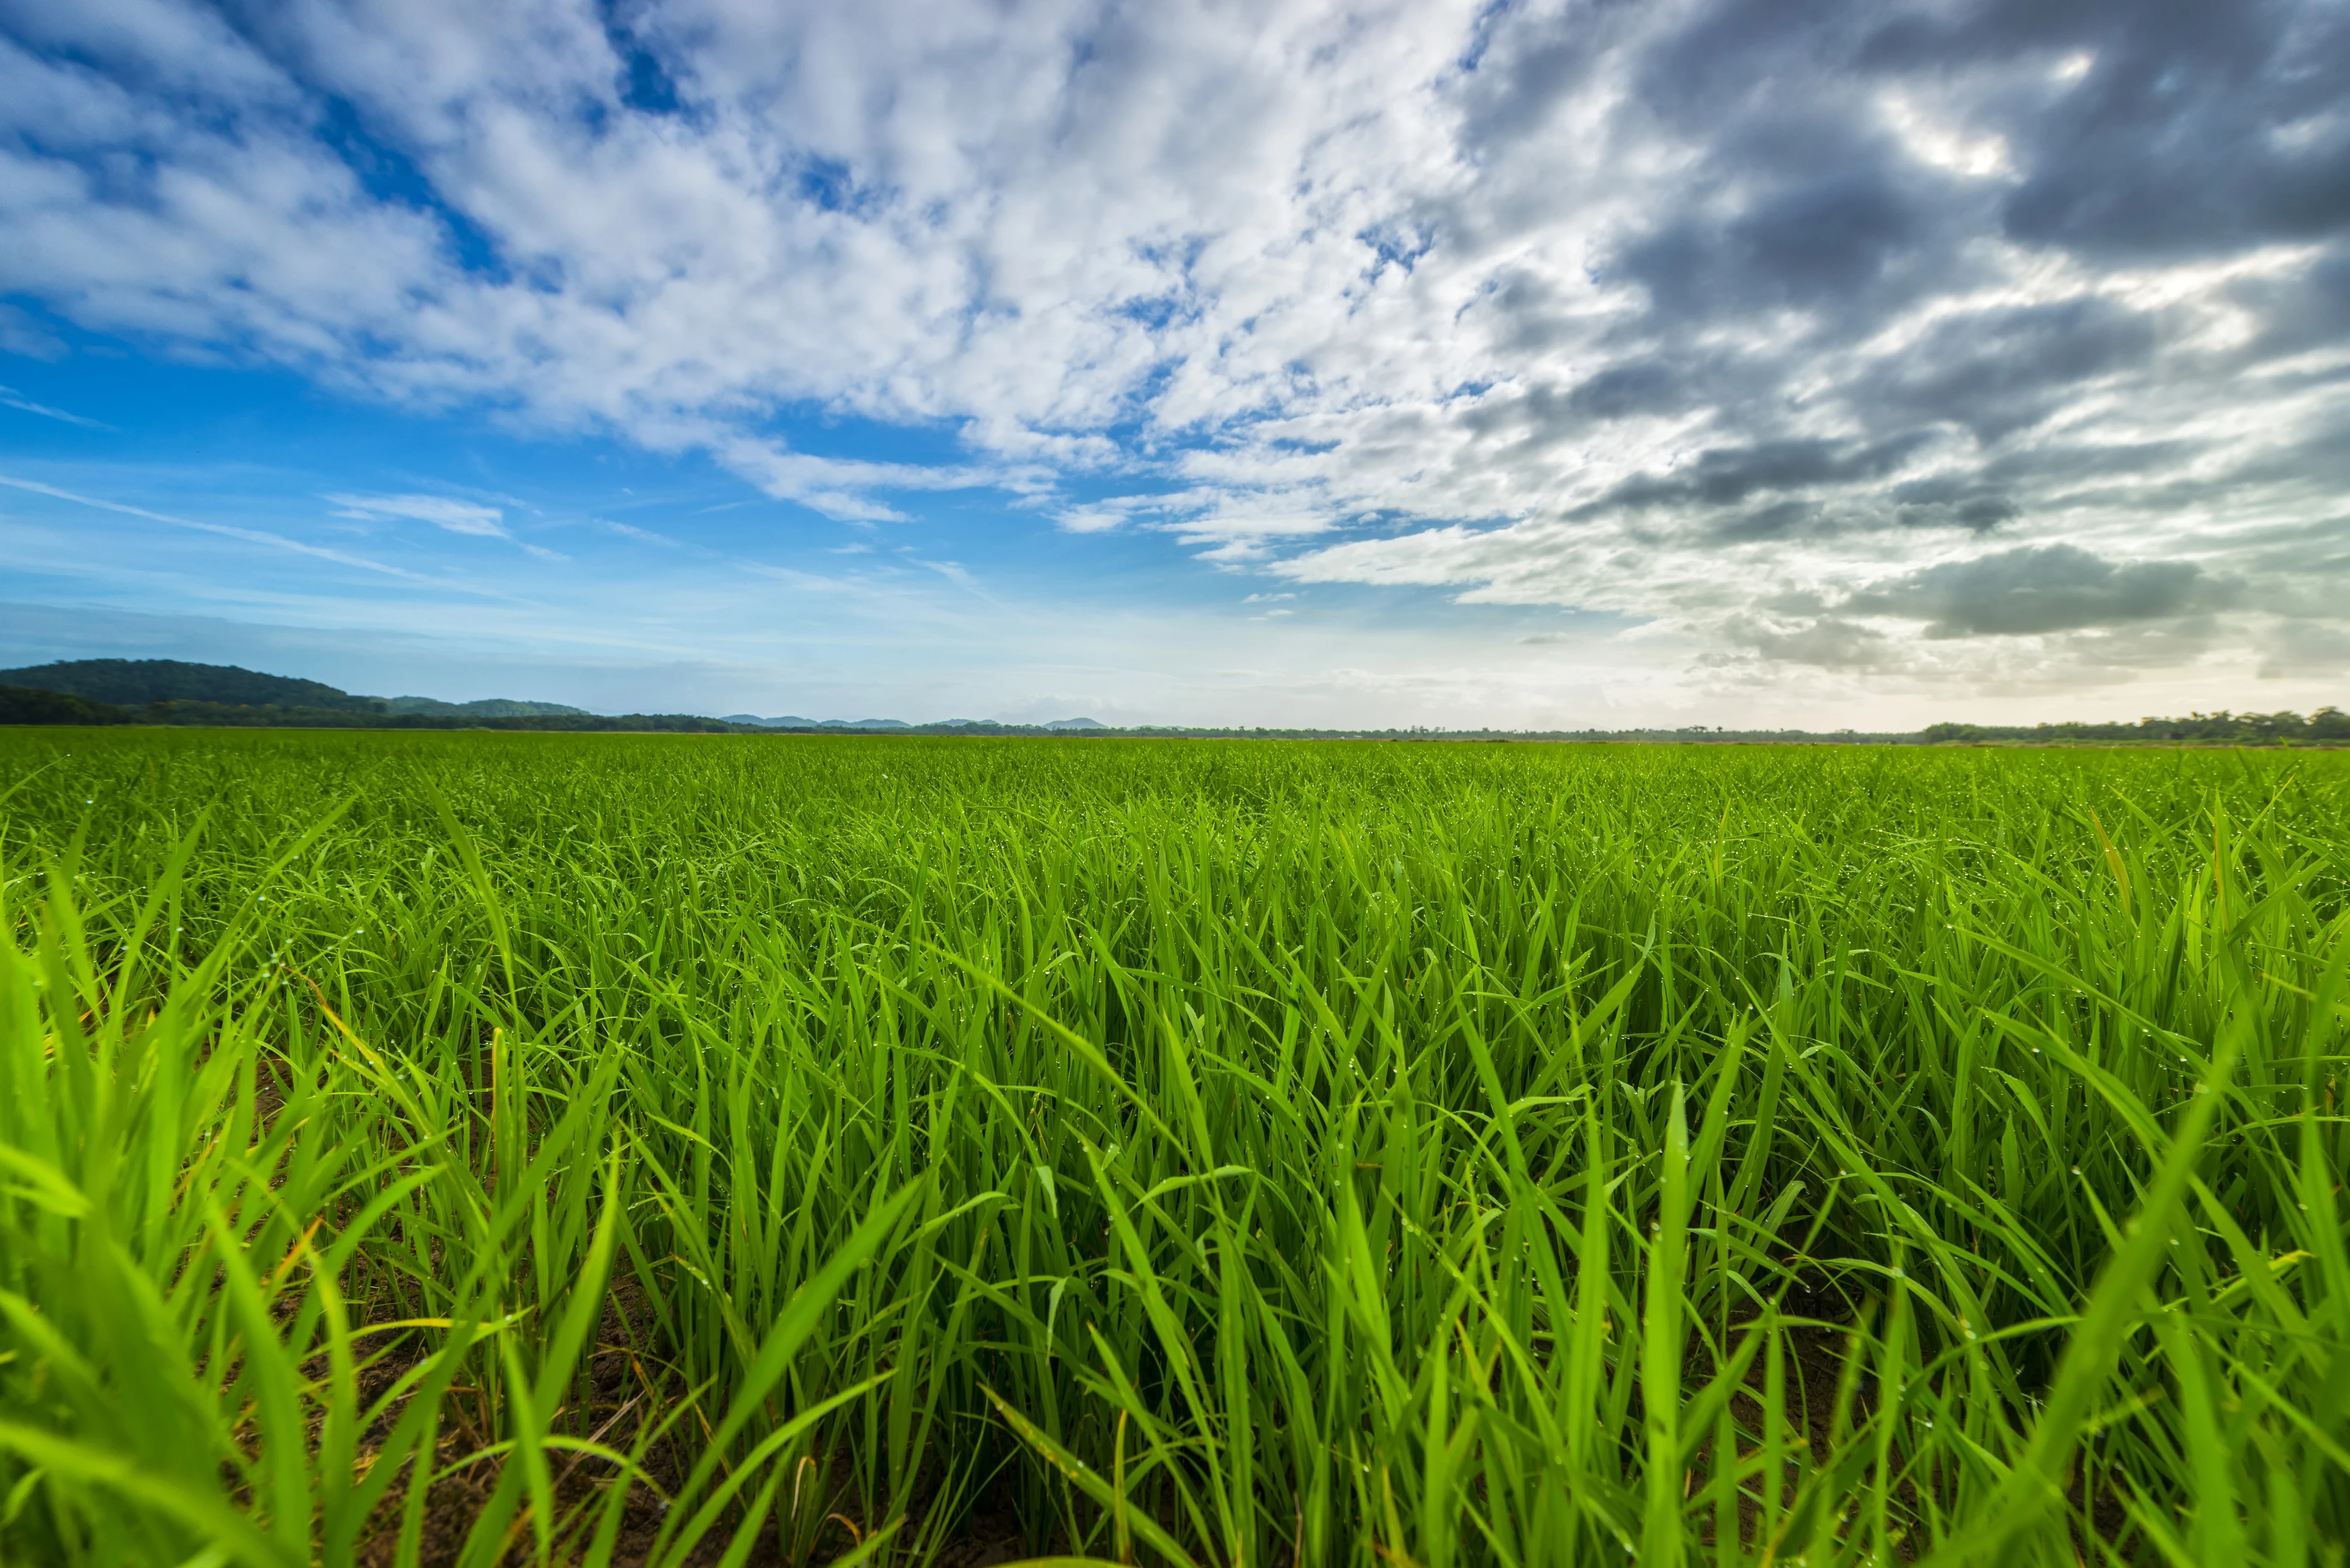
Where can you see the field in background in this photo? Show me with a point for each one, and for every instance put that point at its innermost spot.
(443, 1149)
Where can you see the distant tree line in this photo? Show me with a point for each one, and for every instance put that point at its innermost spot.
(2235, 729)
(30, 705)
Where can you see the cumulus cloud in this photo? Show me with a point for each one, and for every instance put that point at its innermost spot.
(1679, 312)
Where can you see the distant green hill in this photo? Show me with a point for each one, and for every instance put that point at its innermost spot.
(135, 683)
(167, 692)
(230, 694)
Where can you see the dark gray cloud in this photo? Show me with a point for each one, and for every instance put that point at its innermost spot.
(1830, 241)
(2036, 591)
(1548, 413)
(2007, 369)
(2033, 270)
(1636, 387)
(1731, 475)
(2179, 139)
(2311, 305)
(1949, 500)
(2193, 128)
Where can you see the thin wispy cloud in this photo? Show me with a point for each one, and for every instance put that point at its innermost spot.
(229, 531)
(10, 398)
(468, 517)
(641, 535)
(456, 516)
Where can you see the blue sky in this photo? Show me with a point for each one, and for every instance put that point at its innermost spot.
(1523, 364)
(242, 514)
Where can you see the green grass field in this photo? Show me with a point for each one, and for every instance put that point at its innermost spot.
(464, 1148)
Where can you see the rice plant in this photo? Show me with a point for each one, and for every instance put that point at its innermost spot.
(470, 1150)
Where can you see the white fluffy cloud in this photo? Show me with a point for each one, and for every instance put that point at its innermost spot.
(1695, 312)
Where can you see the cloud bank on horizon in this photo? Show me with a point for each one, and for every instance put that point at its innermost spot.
(1951, 346)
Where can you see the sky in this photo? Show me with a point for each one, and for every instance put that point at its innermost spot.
(1588, 363)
